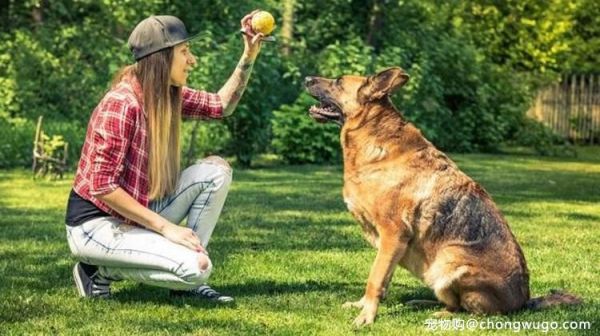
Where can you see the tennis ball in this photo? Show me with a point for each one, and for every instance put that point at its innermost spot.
(263, 22)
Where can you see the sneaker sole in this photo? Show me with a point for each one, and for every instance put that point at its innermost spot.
(228, 299)
(78, 283)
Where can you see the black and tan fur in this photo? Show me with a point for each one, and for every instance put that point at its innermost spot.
(417, 208)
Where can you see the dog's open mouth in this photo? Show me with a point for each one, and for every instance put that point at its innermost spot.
(325, 112)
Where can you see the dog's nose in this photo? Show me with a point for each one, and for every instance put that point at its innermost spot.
(309, 81)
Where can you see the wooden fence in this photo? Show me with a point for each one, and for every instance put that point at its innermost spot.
(571, 108)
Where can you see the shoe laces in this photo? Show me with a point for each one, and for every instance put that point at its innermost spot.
(209, 293)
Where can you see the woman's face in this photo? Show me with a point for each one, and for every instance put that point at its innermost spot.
(183, 62)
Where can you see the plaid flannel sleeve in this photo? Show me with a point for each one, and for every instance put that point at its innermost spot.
(111, 133)
(201, 104)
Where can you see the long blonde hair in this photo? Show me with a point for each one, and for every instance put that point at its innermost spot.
(162, 103)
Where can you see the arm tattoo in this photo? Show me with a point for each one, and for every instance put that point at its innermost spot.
(245, 66)
(234, 88)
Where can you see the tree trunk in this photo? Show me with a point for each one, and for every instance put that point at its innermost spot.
(287, 27)
(376, 23)
(5, 15)
(37, 13)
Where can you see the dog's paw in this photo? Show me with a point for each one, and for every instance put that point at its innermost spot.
(366, 317)
(443, 314)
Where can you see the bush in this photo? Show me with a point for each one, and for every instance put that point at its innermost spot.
(533, 134)
(250, 125)
(17, 149)
(300, 139)
(460, 100)
(211, 139)
(473, 67)
(296, 136)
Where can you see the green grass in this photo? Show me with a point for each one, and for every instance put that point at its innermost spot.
(291, 254)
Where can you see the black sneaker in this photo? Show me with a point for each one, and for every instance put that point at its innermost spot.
(89, 282)
(203, 292)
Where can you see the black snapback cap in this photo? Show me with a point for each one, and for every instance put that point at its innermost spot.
(156, 33)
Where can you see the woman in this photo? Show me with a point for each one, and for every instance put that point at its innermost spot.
(129, 194)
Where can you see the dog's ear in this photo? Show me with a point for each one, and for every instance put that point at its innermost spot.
(384, 83)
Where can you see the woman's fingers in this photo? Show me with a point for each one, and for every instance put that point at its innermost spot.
(196, 243)
(246, 20)
(189, 239)
(186, 243)
(246, 23)
(185, 237)
(191, 244)
(258, 37)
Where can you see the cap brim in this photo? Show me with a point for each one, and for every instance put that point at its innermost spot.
(193, 37)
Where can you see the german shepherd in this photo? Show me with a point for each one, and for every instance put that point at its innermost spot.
(417, 208)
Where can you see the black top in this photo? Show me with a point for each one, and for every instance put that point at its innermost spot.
(80, 210)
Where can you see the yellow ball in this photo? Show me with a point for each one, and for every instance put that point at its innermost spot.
(263, 22)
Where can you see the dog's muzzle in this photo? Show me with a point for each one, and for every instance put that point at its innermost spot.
(327, 110)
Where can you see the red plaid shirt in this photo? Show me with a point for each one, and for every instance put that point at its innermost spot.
(115, 152)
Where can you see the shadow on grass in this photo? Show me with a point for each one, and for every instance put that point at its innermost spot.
(33, 225)
(397, 305)
(140, 294)
(320, 188)
(248, 289)
(204, 324)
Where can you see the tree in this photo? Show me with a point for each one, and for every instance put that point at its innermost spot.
(584, 39)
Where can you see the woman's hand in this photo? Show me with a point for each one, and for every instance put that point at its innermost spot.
(181, 235)
(120, 201)
(252, 40)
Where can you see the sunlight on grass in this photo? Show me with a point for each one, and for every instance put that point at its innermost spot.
(291, 254)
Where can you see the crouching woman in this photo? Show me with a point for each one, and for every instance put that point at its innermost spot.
(129, 195)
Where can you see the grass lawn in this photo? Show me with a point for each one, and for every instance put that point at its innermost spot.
(290, 253)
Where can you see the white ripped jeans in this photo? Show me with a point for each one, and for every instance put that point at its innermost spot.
(123, 251)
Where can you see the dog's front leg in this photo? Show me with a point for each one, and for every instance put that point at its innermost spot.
(390, 251)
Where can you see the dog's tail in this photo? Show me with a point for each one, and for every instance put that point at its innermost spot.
(555, 298)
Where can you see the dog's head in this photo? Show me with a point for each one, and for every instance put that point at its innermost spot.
(342, 98)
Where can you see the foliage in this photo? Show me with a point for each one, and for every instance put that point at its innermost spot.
(296, 136)
(526, 35)
(585, 39)
(16, 149)
(250, 124)
(542, 139)
(52, 145)
(53, 160)
(211, 139)
(461, 100)
(474, 65)
(299, 139)
(62, 67)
